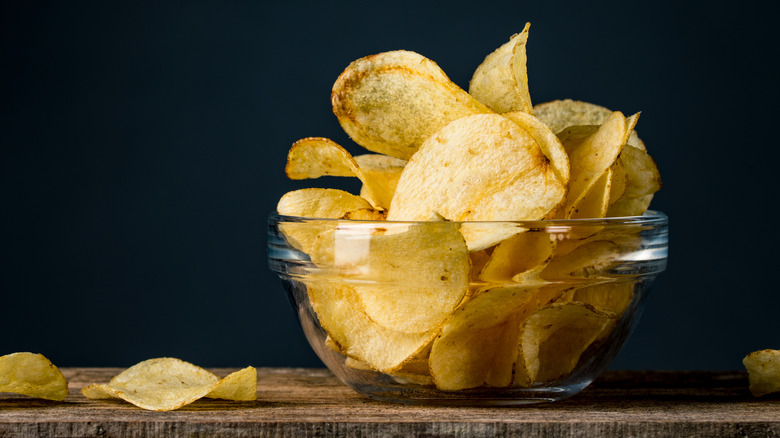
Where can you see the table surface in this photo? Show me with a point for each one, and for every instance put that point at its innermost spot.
(311, 402)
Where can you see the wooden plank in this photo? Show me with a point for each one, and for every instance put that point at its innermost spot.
(311, 402)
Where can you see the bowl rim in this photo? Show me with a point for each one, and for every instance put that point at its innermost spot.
(650, 217)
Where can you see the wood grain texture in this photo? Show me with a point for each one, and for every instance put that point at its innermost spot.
(313, 403)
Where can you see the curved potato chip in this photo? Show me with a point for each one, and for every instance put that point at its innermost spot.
(555, 336)
(596, 201)
(340, 314)
(463, 355)
(548, 142)
(165, 384)
(391, 102)
(478, 168)
(315, 203)
(517, 255)
(501, 80)
(596, 155)
(763, 369)
(313, 157)
(561, 114)
(585, 261)
(642, 181)
(409, 279)
(32, 375)
(381, 173)
(482, 235)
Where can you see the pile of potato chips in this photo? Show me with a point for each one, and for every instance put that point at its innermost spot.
(435, 280)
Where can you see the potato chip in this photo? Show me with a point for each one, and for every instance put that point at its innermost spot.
(480, 167)
(501, 80)
(517, 255)
(642, 181)
(555, 336)
(596, 155)
(339, 312)
(482, 235)
(365, 214)
(381, 173)
(595, 203)
(391, 102)
(165, 384)
(561, 114)
(315, 203)
(585, 262)
(313, 157)
(32, 375)
(763, 369)
(463, 355)
(409, 277)
(548, 142)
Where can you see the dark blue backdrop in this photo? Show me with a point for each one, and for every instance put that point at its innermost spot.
(143, 145)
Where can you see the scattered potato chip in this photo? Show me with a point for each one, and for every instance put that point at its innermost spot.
(501, 81)
(166, 384)
(32, 375)
(763, 369)
(480, 167)
(392, 102)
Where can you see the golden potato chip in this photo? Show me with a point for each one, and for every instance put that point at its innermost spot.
(596, 155)
(313, 157)
(555, 336)
(642, 181)
(501, 371)
(517, 255)
(595, 203)
(561, 114)
(381, 173)
(548, 142)
(482, 235)
(409, 277)
(501, 80)
(165, 384)
(391, 102)
(315, 203)
(629, 206)
(339, 312)
(463, 355)
(481, 167)
(584, 262)
(365, 214)
(32, 375)
(763, 369)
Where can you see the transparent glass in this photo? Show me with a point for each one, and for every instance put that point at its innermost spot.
(472, 313)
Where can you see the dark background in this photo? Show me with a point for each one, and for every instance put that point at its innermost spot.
(143, 146)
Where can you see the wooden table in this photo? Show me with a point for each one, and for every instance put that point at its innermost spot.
(312, 403)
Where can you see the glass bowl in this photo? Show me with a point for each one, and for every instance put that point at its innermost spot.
(468, 313)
